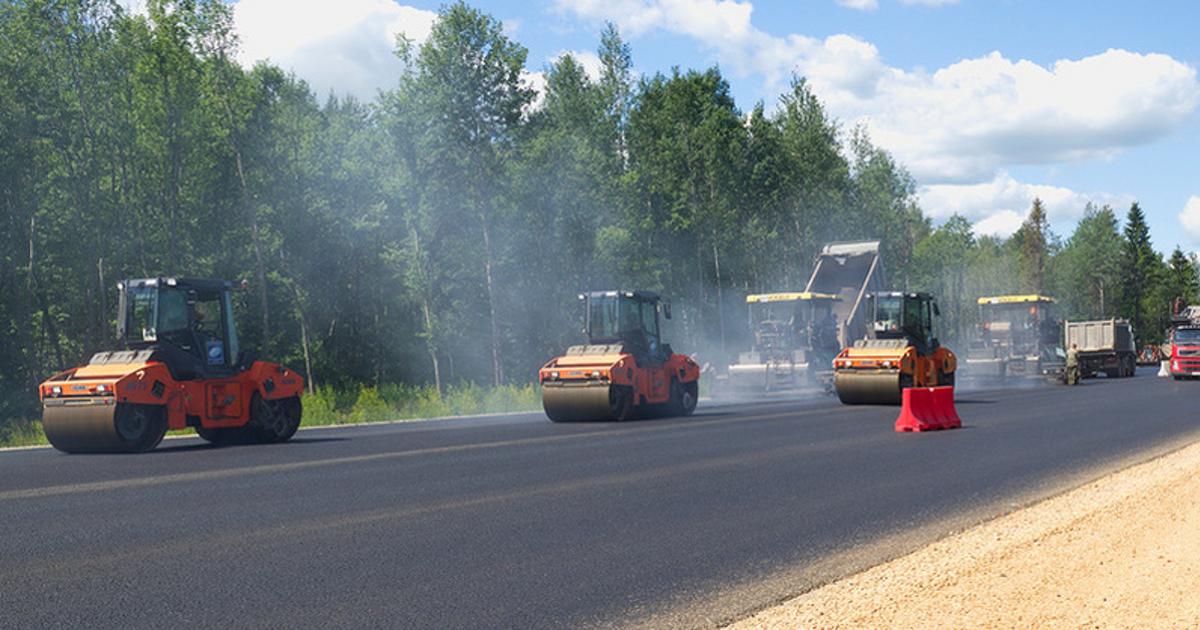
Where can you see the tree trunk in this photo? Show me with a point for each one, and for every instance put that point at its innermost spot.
(430, 347)
(497, 364)
(720, 298)
(252, 218)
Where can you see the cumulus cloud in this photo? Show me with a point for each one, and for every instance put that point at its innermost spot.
(860, 5)
(1189, 218)
(590, 61)
(966, 121)
(999, 206)
(344, 46)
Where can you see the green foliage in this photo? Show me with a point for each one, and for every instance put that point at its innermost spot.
(22, 433)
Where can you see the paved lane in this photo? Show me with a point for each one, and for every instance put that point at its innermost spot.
(515, 522)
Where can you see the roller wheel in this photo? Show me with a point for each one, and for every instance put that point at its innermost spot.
(275, 420)
(139, 427)
(683, 398)
(620, 402)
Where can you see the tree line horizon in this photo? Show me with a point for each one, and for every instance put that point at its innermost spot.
(440, 233)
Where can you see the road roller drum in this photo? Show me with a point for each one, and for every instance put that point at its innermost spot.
(588, 402)
(104, 428)
(869, 389)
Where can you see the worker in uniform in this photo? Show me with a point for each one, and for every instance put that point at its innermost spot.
(1073, 364)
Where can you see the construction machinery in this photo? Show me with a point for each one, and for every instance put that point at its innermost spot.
(796, 335)
(795, 340)
(1183, 341)
(180, 366)
(898, 352)
(1019, 336)
(850, 271)
(1105, 345)
(624, 369)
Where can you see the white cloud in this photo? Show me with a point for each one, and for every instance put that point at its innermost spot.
(998, 207)
(343, 46)
(967, 121)
(860, 5)
(1003, 224)
(1189, 218)
(590, 61)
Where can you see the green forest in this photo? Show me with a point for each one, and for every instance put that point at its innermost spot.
(437, 236)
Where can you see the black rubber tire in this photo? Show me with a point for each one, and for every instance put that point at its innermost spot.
(275, 420)
(683, 398)
(620, 402)
(139, 427)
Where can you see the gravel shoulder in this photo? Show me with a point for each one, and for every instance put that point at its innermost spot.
(1121, 552)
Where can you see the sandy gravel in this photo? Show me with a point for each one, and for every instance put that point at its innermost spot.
(1123, 552)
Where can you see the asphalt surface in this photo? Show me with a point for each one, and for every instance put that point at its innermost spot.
(515, 522)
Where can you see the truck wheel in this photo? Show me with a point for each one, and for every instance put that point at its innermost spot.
(139, 427)
(275, 420)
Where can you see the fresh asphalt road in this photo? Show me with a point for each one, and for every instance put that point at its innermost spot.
(515, 522)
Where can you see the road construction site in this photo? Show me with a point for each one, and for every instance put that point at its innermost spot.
(513, 520)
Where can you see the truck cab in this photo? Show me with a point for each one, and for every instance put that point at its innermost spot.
(1185, 351)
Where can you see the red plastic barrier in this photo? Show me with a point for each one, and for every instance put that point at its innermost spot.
(927, 409)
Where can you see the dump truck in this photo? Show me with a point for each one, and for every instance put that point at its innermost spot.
(1019, 336)
(1104, 346)
(849, 271)
(624, 369)
(179, 366)
(1182, 345)
(1184, 340)
(795, 340)
(898, 352)
(797, 334)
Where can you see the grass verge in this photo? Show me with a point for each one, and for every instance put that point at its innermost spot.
(385, 403)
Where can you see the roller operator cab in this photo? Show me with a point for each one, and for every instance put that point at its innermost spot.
(180, 366)
(624, 369)
(899, 351)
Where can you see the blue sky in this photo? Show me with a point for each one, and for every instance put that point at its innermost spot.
(988, 104)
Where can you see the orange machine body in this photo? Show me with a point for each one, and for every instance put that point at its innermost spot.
(602, 366)
(208, 403)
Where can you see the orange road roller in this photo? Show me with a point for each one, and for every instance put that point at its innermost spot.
(624, 369)
(180, 367)
(898, 352)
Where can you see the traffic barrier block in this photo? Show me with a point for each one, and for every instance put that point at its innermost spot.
(927, 409)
